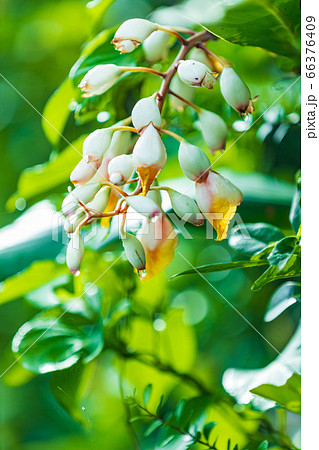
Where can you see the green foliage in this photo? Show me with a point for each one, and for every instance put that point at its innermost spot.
(273, 25)
(287, 396)
(143, 364)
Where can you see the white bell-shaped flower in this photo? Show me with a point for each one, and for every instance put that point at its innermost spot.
(185, 208)
(132, 33)
(83, 193)
(144, 112)
(149, 156)
(193, 161)
(99, 79)
(235, 91)
(120, 169)
(74, 253)
(143, 205)
(214, 130)
(134, 250)
(156, 46)
(96, 144)
(195, 73)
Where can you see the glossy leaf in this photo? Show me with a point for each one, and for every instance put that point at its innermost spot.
(251, 238)
(273, 25)
(287, 395)
(56, 339)
(152, 427)
(291, 269)
(219, 267)
(147, 394)
(207, 429)
(282, 251)
(286, 295)
(295, 211)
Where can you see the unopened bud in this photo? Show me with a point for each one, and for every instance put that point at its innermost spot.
(99, 79)
(206, 58)
(120, 169)
(132, 33)
(96, 144)
(214, 130)
(134, 250)
(218, 199)
(71, 222)
(143, 205)
(194, 73)
(74, 253)
(83, 193)
(156, 46)
(235, 91)
(185, 208)
(100, 200)
(83, 172)
(193, 161)
(149, 156)
(144, 112)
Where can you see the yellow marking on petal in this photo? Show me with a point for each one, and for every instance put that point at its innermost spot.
(147, 175)
(114, 196)
(161, 256)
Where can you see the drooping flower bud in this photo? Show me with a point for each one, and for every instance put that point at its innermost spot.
(143, 205)
(206, 58)
(235, 91)
(218, 199)
(156, 46)
(194, 73)
(132, 33)
(83, 172)
(83, 193)
(214, 130)
(74, 253)
(159, 240)
(120, 144)
(96, 144)
(193, 161)
(100, 200)
(73, 221)
(185, 208)
(99, 79)
(144, 112)
(134, 250)
(120, 169)
(149, 156)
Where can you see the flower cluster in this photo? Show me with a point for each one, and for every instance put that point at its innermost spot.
(120, 164)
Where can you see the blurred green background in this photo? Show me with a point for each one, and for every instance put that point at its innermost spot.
(81, 407)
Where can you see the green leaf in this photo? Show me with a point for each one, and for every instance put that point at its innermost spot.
(147, 394)
(39, 273)
(288, 395)
(57, 111)
(56, 339)
(282, 251)
(263, 445)
(291, 269)
(295, 211)
(272, 25)
(252, 238)
(219, 267)
(37, 181)
(286, 295)
(152, 427)
(208, 428)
